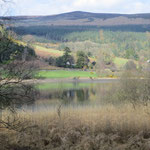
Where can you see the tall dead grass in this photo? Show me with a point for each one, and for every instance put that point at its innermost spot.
(118, 118)
(81, 128)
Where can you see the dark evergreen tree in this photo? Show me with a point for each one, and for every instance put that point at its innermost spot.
(82, 59)
(66, 60)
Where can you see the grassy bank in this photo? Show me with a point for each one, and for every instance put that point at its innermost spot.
(65, 74)
(82, 128)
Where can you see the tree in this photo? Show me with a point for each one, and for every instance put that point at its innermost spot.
(13, 70)
(130, 65)
(51, 61)
(66, 60)
(14, 93)
(82, 59)
(131, 53)
(67, 50)
(5, 6)
(89, 54)
(9, 49)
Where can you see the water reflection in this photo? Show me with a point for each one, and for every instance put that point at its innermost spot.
(49, 95)
(73, 93)
(67, 96)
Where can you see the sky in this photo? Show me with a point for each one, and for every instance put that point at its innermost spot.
(50, 7)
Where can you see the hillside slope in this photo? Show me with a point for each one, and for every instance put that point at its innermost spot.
(83, 18)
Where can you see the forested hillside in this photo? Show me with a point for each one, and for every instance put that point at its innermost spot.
(112, 36)
(131, 42)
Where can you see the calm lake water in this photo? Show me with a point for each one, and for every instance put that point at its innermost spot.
(51, 95)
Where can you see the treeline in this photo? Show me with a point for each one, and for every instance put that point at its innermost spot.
(130, 45)
(53, 33)
(122, 44)
(58, 33)
(67, 60)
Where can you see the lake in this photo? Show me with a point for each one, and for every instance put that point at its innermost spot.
(74, 94)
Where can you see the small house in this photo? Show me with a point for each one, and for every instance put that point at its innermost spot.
(148, 61)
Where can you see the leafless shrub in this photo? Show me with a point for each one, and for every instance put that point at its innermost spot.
(14, 69)
(131, 88)
(14, 92)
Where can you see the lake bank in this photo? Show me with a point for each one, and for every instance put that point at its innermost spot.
(52, 74)
(81, 80)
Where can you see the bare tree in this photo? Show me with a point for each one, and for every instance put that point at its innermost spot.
(5, 6)
(14, 92)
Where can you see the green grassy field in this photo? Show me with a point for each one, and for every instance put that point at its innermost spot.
(65, 74)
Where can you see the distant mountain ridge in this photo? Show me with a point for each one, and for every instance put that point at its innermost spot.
(82, 18)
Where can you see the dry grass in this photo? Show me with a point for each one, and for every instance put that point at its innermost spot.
(84, 128)
(47, 52)
(119, 118)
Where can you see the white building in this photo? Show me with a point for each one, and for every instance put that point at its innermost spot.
(148, 61)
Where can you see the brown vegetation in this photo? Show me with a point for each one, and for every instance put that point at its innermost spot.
(84, 128)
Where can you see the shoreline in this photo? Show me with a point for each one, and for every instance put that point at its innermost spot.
(81, 80)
